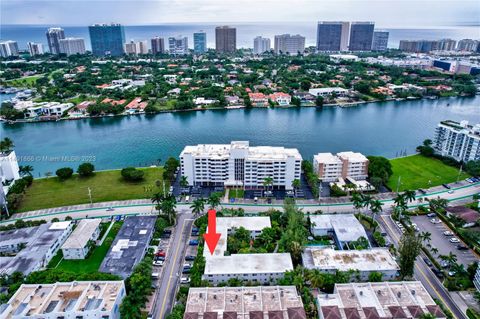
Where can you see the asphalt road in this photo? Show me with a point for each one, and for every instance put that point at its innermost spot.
(136, 207)
(172, 268)
(422, 271)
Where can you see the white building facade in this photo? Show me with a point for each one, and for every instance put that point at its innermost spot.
(178, 45)
(458, 140)
(291, 44)
(8, 48)
(71, 46)
(261, 45)
(330, 168)
(35, 48)
(77, 245)
(239, 164)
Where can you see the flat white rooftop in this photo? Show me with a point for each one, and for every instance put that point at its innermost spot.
(345, 226)
(375, 259)
(249, 264)
(254, 223)
(352, 156)
(222, 151)
(82, 234)
(327, 158)
(45, 300)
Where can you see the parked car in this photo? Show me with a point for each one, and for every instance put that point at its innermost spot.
(448, 233)
(187, 265)
(161, 253)
(462, 247)
(454, 240)
(451, 273)
(444, 264)
(189, 258)
(185, 280)
(193, 242)
(186, 270)
(438, 273)
(431, 215)
(427, 261)
(435, 221)
(158, 263)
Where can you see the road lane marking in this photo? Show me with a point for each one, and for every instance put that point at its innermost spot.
(171, 270)
(421, 271)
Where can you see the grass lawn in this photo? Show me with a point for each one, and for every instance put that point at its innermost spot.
(416, 171)
(26, 81)
(236, 193)
(105, 186)
(93, 262)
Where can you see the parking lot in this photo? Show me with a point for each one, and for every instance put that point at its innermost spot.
(190, 254)
(442, 242)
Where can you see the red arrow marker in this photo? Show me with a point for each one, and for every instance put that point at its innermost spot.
(212, 237)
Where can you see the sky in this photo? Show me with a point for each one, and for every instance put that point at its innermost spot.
(386, 13)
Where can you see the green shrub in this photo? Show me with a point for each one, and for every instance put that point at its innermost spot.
(86, 169)
(64, 173)
(131, 174)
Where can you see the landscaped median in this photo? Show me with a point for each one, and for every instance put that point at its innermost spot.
(418, 171)
(104, 186)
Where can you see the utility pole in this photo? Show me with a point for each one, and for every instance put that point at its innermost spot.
(398, 182)
(459, 173)
(90, 195)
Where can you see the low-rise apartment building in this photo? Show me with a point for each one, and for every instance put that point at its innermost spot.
(330, 168)
(34, 246)
(326, 92)
(344, 228)
(457, 140)
(130, 245)
(47, 109)
(364, 261)
(407, 299)
(256, 302)
(67, 300)
(239, 164)
(78, 245)
(258, 268)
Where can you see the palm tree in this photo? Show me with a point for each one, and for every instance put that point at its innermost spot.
(409, 195)
(296, 183)
(451, 258)
(317, 279)
(400, 205)
(184, 181)
(366, 200)
(268, 181)
(357, 201)
(6, 145)
(213, 200)
(437, 204)
(426, 236)
(168, 206)
(25, 170)
(375, 207)
(157, 199)
(198, 207)
(434, 250)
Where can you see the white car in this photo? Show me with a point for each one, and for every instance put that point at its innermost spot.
(448, 233)
(435, 221)
(184, 280)
(451, 191)
(158, 263)
(454, 240)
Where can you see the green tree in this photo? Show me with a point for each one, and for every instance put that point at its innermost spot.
(184, 181)
(267, 181)
(296, 183)
(64, 173)
(213, 200)
(86, 169)
(379, 167)
(409, 248)
(197, 207)
(131, 174)
(168, 207)
(319, 101)
(375, 276)
(376, 208)
(25, 170)
(6, 145)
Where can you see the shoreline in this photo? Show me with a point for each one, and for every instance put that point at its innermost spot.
(232, 107)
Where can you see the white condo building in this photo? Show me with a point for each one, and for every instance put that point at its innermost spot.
(291, 44)
(35, 48)
(239, 164)
(8, 48)
(261, 45)
(330, 168)
(460, 141)
(178, 45)
(67, 300)
(71, 46)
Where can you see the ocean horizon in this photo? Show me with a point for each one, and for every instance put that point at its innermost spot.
(246, 32)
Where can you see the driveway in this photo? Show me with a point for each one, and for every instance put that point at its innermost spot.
(441, 242)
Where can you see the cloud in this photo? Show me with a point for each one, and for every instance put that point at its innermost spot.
(386, 13)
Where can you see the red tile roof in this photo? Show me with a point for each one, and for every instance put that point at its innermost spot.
(331, 312)
(136, 103)
(467, 214)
